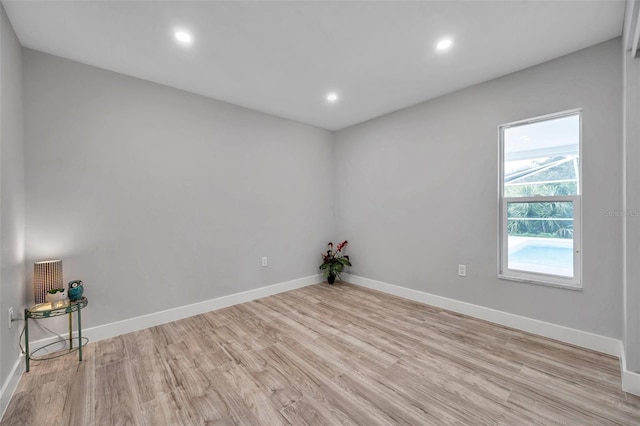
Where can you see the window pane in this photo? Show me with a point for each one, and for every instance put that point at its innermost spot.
(540, 237)
(541, 159)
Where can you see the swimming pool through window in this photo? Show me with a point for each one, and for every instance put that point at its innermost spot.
(540, 186)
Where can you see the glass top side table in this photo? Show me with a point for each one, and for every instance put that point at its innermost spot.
(47, 310)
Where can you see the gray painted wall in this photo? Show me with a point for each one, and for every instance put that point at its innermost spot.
(632, 206)
(416, 191)
(158, 198)
(143, 190)
(12, 229)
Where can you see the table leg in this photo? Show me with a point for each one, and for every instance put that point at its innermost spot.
(70, 330)
(79, 334)
(26, 337)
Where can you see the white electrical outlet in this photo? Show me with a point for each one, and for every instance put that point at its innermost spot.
(264, 261)
(462, 270)
(10, 316)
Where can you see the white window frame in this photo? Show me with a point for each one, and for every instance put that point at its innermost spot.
(504, 272)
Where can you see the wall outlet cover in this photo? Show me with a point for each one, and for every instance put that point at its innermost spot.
(462, 270)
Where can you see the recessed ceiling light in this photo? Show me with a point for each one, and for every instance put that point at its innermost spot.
(332, 97)
(444, 44)
(183, 37)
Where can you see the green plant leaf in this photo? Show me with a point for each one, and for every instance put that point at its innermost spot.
(344, 261)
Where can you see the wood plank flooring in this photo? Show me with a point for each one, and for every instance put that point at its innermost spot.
(326, 355)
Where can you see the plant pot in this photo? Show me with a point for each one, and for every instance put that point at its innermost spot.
(57, 300)
(331, 279)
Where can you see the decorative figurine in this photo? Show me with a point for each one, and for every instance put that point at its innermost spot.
(75, 290)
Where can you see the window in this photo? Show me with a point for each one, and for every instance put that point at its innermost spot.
(540, 200)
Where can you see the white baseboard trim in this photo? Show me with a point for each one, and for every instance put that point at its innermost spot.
(630, 379)
(118, 328)
(631, 382)
(584, 339)
(10, 385)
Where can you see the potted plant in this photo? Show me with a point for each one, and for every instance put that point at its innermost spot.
(334, 261)
(56, 296)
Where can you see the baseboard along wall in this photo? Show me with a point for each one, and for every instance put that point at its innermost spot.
(118, 328)
(10, 385)
(630, 379)
(584, 339)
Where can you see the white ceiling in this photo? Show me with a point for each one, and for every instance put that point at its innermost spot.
(283, 58)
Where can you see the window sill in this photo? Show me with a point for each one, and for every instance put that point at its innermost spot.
(547, 283)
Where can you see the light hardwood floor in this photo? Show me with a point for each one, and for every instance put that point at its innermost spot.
(326, 355)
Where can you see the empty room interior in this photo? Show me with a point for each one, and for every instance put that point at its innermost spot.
(320, 212)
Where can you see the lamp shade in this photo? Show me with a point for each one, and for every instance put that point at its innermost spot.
(46, 275)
